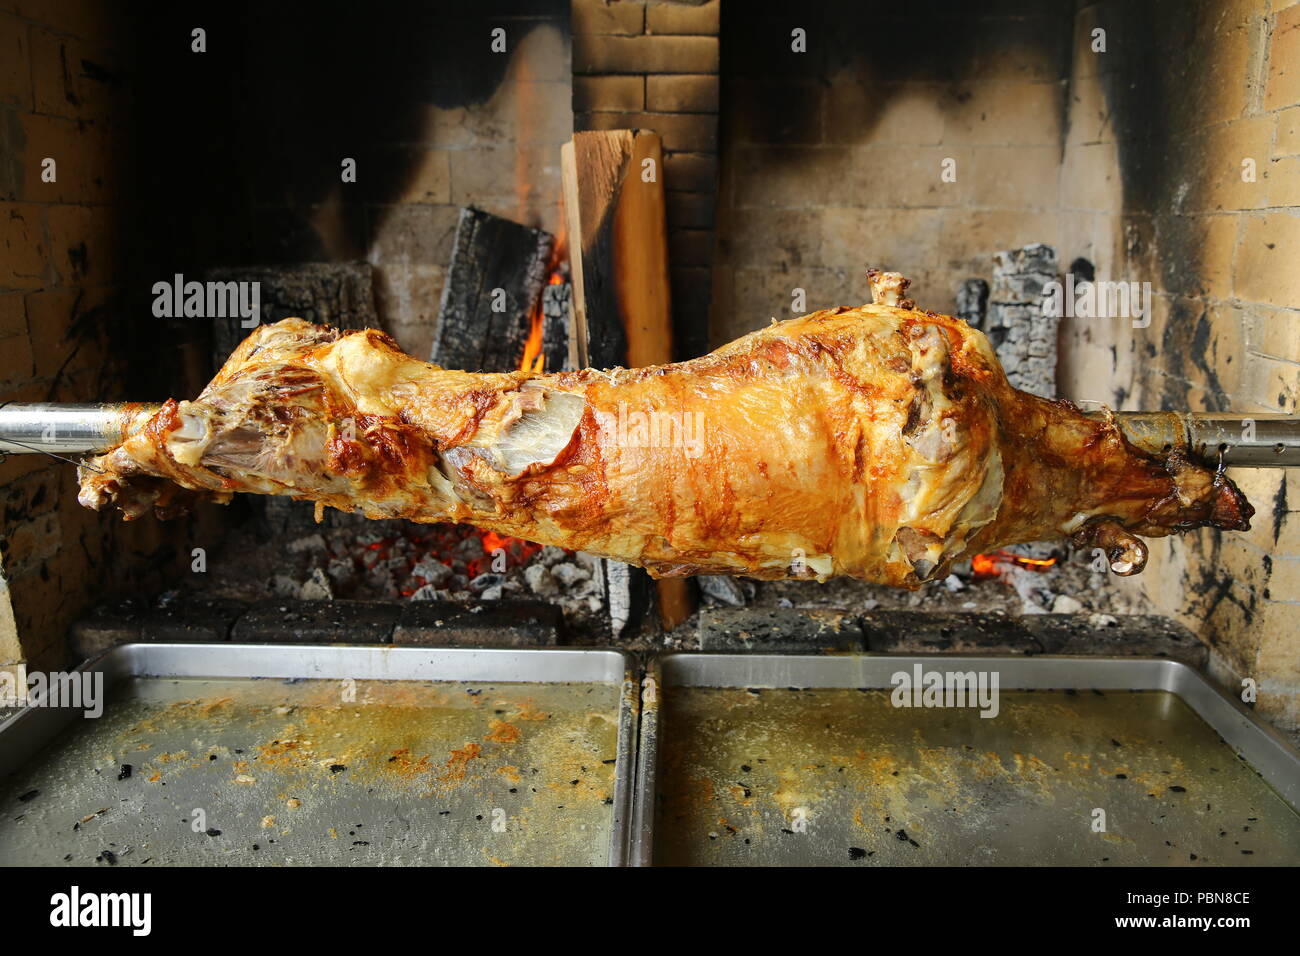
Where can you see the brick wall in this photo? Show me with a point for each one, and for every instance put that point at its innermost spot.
(654, 65)
(832, 157)
(1221, 255)
(1131, 159)
(468, 126)
(501, 155)
(60, 300)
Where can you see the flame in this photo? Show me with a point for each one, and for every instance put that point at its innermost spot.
(987, 565)
(517, 551)
(441, 540)
(534, 360)
(492, 541)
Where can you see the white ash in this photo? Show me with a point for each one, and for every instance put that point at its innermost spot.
(1035, 596)
(550, 555)
(342, 573)
(541, 581)
(570, 575)
(310, 543)
(723, 589)
(434, 573)
(1015, 591)
(385, 560)
(485, 582)
(469, 549)
(1064, 604)
(317, 587)
(282, 585)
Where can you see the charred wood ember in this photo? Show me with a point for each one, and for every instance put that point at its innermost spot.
(498, 270)
(972, 302)
(556, 306)
(1023, 333)
(879, 442)
(335, 294)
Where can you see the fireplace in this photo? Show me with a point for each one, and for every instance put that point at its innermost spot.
(991, 155)
(1071, 125)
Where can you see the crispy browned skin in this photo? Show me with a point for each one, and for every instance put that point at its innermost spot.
(879, 442)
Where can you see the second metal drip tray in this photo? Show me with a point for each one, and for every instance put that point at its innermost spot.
(764, 760)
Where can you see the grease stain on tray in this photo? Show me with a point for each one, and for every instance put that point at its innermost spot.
(789, 776)
(323, 771)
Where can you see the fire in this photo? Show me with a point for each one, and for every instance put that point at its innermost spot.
(516, 551)
(987, 565)
(441, 540)
(534, 360)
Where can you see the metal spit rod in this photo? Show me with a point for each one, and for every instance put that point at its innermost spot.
(1240, 441)
(61, 428)
(1247, 441)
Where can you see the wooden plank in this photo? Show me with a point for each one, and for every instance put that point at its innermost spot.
(676, 601)
(641, 258)
(614, 202)
(498, 269)
(618, 231)
(579, 356)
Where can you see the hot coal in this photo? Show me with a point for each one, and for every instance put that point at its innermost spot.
(400, 561)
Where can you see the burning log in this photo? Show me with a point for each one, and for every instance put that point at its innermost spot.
(494, 314)
(557, 319)
(498, 270)
(989, 565)
(1022, 332)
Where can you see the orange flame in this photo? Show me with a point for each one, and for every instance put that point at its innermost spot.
(987, 565)
(534, 360)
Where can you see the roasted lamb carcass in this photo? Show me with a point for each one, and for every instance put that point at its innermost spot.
(879, 442)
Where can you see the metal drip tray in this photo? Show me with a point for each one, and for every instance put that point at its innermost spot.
(241, 755)
(806, 761)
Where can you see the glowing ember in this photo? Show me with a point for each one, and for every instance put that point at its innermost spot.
(988, 565)
(441, 542)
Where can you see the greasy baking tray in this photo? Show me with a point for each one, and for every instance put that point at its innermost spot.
(749, 759)
(291, 754)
